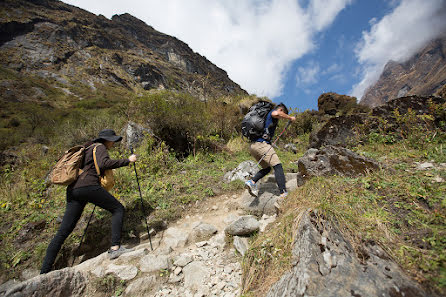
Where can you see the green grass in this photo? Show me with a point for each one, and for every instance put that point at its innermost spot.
(400, 208)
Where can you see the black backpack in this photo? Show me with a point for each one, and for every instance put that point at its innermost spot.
(253, 124)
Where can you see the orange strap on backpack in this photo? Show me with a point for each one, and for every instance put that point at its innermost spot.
(107, 180)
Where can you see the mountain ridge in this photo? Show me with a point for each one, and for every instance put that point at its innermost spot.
(68, 42)
(423, 74)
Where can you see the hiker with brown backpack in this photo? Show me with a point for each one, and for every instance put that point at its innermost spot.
(93, 161)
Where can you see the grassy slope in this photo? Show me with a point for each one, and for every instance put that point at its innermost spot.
(404, 211)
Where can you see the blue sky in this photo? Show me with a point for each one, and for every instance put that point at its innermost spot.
(332, 66)
(292, 50)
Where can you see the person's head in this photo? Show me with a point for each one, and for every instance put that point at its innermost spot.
(108, 137)
(282, 107)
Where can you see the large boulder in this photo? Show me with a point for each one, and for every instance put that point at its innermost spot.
(264, 203)
(337, 131)
(325, 264)
(203, 231)
(245, 225)
(243, 172)
(332, 160)
(134, 134)
(332, 103)
(64, 283)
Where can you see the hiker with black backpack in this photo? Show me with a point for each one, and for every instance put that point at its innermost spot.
(87, 188)
(264, 115)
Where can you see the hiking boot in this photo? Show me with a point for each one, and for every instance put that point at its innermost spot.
(113, 254)
(252, 188)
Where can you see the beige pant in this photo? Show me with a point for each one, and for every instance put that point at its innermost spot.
(258, 149)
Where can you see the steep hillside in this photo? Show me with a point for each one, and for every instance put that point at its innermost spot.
(423, 74)
(54, 40)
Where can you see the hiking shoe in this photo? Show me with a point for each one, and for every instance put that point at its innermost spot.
(115, 254)
(252, 188)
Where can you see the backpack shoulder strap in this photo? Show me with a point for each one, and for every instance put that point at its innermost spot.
(95, 161)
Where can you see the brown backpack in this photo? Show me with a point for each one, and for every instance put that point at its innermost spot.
(67, 168)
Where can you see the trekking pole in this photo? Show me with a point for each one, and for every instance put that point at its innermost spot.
(142, 204)
(85, 231)
(264, 155)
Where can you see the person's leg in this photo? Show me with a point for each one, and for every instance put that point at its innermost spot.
(260, 174)
(100, 197)
(72, 214)
(280, 178)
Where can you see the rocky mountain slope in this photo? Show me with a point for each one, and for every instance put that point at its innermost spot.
(73, 47)
(424, 74)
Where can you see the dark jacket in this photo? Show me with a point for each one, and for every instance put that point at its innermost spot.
(89, 176)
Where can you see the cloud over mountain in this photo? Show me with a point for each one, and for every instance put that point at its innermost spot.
(397, 36)
(254, 41)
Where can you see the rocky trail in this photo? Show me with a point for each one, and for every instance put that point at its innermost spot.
(200, 254)
(194, 256)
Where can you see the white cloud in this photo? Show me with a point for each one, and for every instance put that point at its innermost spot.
(307, 75)
(397, 36)
(324, 12)
(332, 69)
(254, 41)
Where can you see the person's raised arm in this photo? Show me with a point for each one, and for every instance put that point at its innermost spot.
(279, 114)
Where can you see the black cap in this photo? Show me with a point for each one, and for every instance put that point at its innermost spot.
(108, 134)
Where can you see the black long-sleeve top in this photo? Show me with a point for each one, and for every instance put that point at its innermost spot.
(89, 176)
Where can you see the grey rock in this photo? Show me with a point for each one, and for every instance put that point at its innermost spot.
(243, 172)
(135, 133)
(55, 283)
(325, 265)
(241, 244)
(264, 203)
(182, 260)
(174, 278)
(218, 241)
(141, 286)
(7, 285)
(29, 273)
(152, 263)
(194, 274)
(175, 238)
(230, 218)
(245, 225)
(332, 160)
(203, 231)
(125, 272)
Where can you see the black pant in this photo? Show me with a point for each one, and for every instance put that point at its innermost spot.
(278, 173)
(76, 201)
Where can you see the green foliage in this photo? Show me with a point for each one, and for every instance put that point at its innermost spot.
(110, 284)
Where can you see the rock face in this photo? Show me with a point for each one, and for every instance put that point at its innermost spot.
(66, 282)
(332, 103)
(56, 40)
(134, 134)
(343, 130)
(424, 74)
(337, 131)
(332, 160)
(325, 265)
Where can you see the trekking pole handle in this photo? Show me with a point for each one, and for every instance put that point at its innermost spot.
(131, 150)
